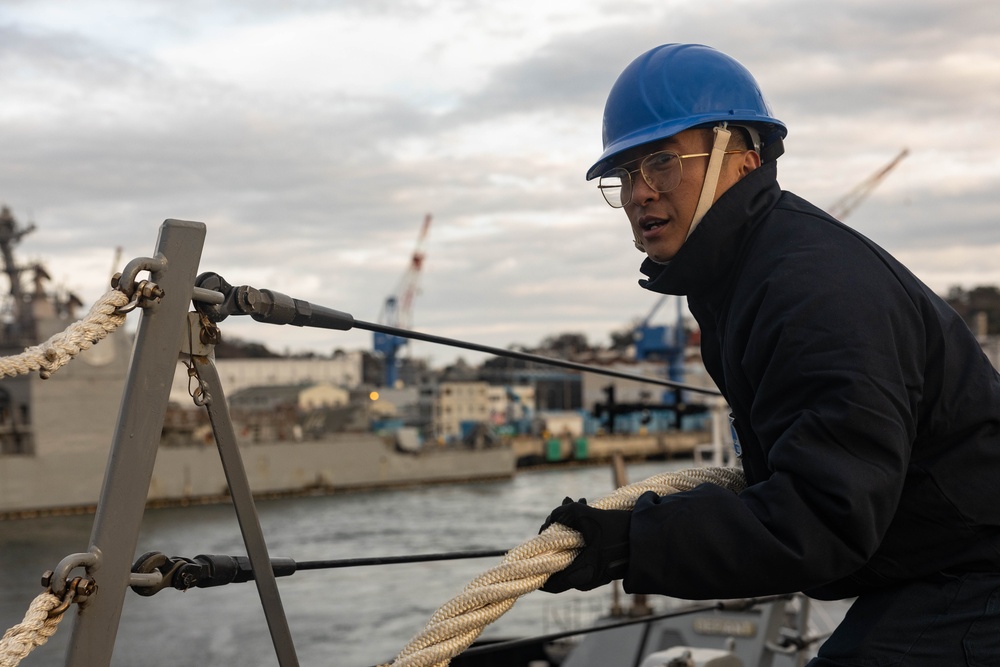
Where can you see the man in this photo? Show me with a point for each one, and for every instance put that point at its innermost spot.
(866, 416)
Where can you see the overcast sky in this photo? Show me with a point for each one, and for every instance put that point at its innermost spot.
(313, 136)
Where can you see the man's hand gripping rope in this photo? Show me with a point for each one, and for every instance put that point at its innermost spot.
(527, 567)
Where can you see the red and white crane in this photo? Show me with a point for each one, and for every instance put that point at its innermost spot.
(397, 310)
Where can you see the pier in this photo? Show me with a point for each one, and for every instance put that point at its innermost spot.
(532, 451)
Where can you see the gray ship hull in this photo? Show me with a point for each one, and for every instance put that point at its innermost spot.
(57, 434)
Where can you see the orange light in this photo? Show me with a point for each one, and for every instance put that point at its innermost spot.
(373, 395)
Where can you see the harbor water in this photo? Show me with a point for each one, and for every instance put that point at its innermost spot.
(349, 617)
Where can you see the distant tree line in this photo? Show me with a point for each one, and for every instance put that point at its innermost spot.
(972, 305)
(234, 348)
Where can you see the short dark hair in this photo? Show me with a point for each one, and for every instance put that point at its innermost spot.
(740, 138)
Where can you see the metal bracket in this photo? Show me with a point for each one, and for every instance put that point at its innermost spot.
(78, 589)
(57, 580)
(202, 335)
(126, 279)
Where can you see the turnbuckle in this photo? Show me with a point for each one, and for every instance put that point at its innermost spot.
(154, 571)
(264, 305)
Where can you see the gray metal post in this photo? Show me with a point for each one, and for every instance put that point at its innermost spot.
(137, 435)
(246, 513)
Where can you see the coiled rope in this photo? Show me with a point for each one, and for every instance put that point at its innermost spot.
(38, 625)
(58, 350)
(525, 568)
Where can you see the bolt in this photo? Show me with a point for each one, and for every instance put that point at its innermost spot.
(116, 280)
(147, 288)
(47, 578)
(247, 299)
(86, 587)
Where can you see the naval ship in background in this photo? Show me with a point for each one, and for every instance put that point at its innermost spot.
(55, 433)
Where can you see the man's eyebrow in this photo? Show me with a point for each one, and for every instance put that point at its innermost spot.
(634, 154)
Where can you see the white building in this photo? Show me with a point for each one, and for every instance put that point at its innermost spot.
(458, 402)
(343, 370)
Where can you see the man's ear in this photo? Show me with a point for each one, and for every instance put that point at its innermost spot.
(751, 160)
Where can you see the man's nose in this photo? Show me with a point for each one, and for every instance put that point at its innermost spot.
(642, 193)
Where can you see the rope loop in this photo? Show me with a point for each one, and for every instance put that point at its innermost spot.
(103, 318)
(527, 567)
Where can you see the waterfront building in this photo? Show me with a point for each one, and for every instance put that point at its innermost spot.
(342, 370)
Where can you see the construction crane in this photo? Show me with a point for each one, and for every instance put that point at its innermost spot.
(654, 343)
(397, 310)
(665, 343)
(841, 208)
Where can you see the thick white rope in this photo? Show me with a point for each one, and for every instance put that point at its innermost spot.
(525, 568)
(32, 632)
(58, 350)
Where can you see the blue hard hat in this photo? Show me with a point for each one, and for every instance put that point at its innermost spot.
(675, 87)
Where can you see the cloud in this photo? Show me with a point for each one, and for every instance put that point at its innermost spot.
(312, 139)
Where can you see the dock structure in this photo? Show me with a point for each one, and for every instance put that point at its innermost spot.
(602, 448)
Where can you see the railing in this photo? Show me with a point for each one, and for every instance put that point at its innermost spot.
(166, 328)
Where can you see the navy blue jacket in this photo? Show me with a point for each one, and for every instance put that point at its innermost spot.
(867, 414)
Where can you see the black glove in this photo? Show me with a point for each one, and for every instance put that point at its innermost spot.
(604, 556)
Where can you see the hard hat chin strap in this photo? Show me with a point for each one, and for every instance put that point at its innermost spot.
(708, 188)
(638, 241)
(711, 176)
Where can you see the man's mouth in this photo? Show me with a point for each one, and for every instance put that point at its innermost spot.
(649, 224)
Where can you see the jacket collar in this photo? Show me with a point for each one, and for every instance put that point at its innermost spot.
(705, 262)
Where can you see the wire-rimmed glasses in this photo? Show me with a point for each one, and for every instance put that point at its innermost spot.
(661, 170)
